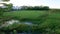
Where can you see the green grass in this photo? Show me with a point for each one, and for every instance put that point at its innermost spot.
(34, 15)
(26, 14)
(45, 19)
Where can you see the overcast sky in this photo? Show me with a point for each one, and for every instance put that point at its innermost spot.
(50, 3)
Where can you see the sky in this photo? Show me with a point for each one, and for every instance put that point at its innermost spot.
(50, 3)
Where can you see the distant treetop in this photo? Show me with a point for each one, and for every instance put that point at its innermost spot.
(5, 0)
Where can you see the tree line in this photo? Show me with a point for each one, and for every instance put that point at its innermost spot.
(33, 8)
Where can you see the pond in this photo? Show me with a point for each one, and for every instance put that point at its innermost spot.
(11, 22)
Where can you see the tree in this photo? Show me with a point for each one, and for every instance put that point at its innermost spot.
(8, 7)
(3, 8)
(5, 0)
(46, 8)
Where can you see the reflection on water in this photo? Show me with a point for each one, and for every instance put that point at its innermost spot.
(17, 21)
(13, 21)
(10, 22)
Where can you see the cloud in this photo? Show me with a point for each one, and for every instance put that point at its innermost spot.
(50, 3)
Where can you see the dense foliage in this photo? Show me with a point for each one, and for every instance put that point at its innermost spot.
(38, 8)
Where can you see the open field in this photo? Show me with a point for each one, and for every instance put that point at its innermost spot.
(49, 20)
(32, 14)
(26, 14)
